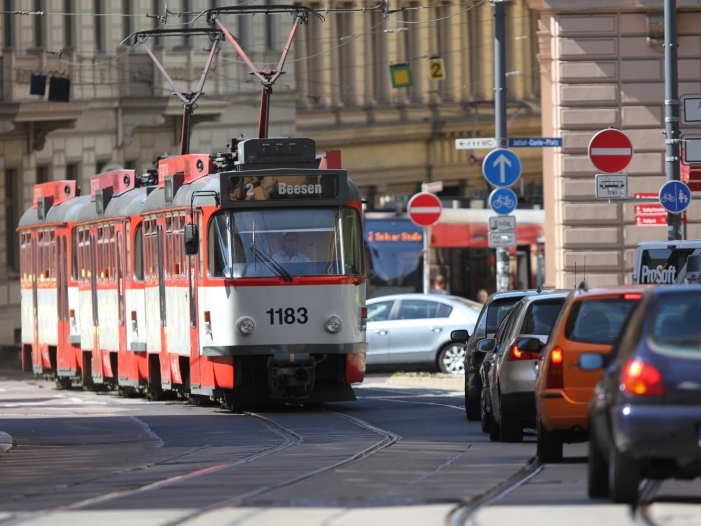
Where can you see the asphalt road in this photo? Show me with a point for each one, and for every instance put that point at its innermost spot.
(401, 454)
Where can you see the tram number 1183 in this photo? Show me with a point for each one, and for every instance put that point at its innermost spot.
(287, 316)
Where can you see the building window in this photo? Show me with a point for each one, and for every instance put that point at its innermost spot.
(344, 27)
(8, 23)
(100, 166)
(12, 207)
(68, 23)
(43, 174)
(99, 27)
(130, 165)
(272, 25)
(38, 24)
(127, 11)
(72, 172)
(244, 29)
(379, 63)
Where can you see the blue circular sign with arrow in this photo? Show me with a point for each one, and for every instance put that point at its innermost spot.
(503, 201)
(675, 196)
(501, 167)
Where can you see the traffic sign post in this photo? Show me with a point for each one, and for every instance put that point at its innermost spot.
(610, 150)
(501, 167)
(424, 210)
(503, 201)
(675, 197)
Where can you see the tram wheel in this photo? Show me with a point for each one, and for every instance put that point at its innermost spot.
(63, 382)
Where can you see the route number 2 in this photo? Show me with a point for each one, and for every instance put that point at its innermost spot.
(437, 71)
(288, 316)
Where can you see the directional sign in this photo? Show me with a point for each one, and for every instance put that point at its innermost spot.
(675, 196)
(502, 223)
(502, 239)
(691, 149)
(503, 201)
(691, 109)
(424, 209)
(610, 186)
(535, 142)
(610, 150)
(501, 167)
(482, 143)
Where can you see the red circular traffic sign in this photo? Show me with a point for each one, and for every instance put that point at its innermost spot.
(425, 209)
(610, 150)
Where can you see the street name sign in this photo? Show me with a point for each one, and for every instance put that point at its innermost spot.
(611, 186)
(501, 167)
(502, 224)
(481, 143)
(691, 109)
(610, 150)
(502, 239)
(503, 201)
(535, 142)
(675, 196)
(424, 209)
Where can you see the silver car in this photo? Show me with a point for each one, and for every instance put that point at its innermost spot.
(414, 330)
(511, 378)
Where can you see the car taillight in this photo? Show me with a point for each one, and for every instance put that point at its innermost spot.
(554, 372)
(516, 354)
(640, 378)
(632, 296)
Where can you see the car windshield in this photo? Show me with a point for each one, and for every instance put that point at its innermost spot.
(541, 316)
(675, 326)
(598, 321)
(496, 312)
(264, 243)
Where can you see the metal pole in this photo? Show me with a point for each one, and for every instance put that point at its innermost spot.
(502, 262)
(671, 95)
(427, 259)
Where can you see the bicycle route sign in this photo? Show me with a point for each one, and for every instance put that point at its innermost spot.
(503, 201)
(501, 168)
(675, 196)
(424, 209)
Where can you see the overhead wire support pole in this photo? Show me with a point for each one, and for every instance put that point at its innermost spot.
(502, 254)
(267, 76)
(671, 95)
(188, 98)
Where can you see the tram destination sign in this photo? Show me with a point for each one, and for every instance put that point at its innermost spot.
(294, 186)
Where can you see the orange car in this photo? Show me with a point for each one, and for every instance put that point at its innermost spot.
(572, 361)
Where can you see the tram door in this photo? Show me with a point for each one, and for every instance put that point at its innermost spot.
(96, 363)
(161, 282)
(34, 265)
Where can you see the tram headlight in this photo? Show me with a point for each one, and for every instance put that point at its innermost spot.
(246, 325)
(333, 324)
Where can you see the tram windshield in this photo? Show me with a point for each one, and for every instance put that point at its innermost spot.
(285, 243)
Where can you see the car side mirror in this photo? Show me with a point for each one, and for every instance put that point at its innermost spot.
(486, 345)
(530, 345)
(371, 274)
(192, 239)
(591, 361)
(460, 335)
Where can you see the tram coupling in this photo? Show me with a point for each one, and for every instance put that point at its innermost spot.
(291, 376)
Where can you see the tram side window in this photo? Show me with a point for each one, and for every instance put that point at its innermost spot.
(128, 247)
(147, 249)
(218, 246)
(138, 253)
(352, 241)
(74, 254)
(113, 255)
(177, 267)
(54, 262)
(169, 246)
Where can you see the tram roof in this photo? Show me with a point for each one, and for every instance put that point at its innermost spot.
(64, 212)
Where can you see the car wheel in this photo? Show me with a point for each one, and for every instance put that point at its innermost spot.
(494, 433)
(484, 416)
(451, 359)
(472, 408)
(549, 448)
(598, 483)
(510, 429)
(624, 477)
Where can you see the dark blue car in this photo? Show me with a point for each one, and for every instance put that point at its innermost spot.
(645, 417)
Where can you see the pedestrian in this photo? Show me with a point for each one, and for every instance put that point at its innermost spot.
(438, 285)
(482, 296)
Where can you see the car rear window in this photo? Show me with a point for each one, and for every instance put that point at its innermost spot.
(496, 312)
(541, 316)
(675, 325)
(598, 320)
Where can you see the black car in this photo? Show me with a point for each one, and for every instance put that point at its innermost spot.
(645, 416)
(493, 312)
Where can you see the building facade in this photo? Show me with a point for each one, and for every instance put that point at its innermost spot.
(121, 111)
(603, 66)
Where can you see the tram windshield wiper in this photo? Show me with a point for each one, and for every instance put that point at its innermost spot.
(272, 264)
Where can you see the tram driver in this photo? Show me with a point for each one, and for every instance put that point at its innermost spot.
(289, 253)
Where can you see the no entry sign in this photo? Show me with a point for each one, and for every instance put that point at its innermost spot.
(610, 150)
(425, 209)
